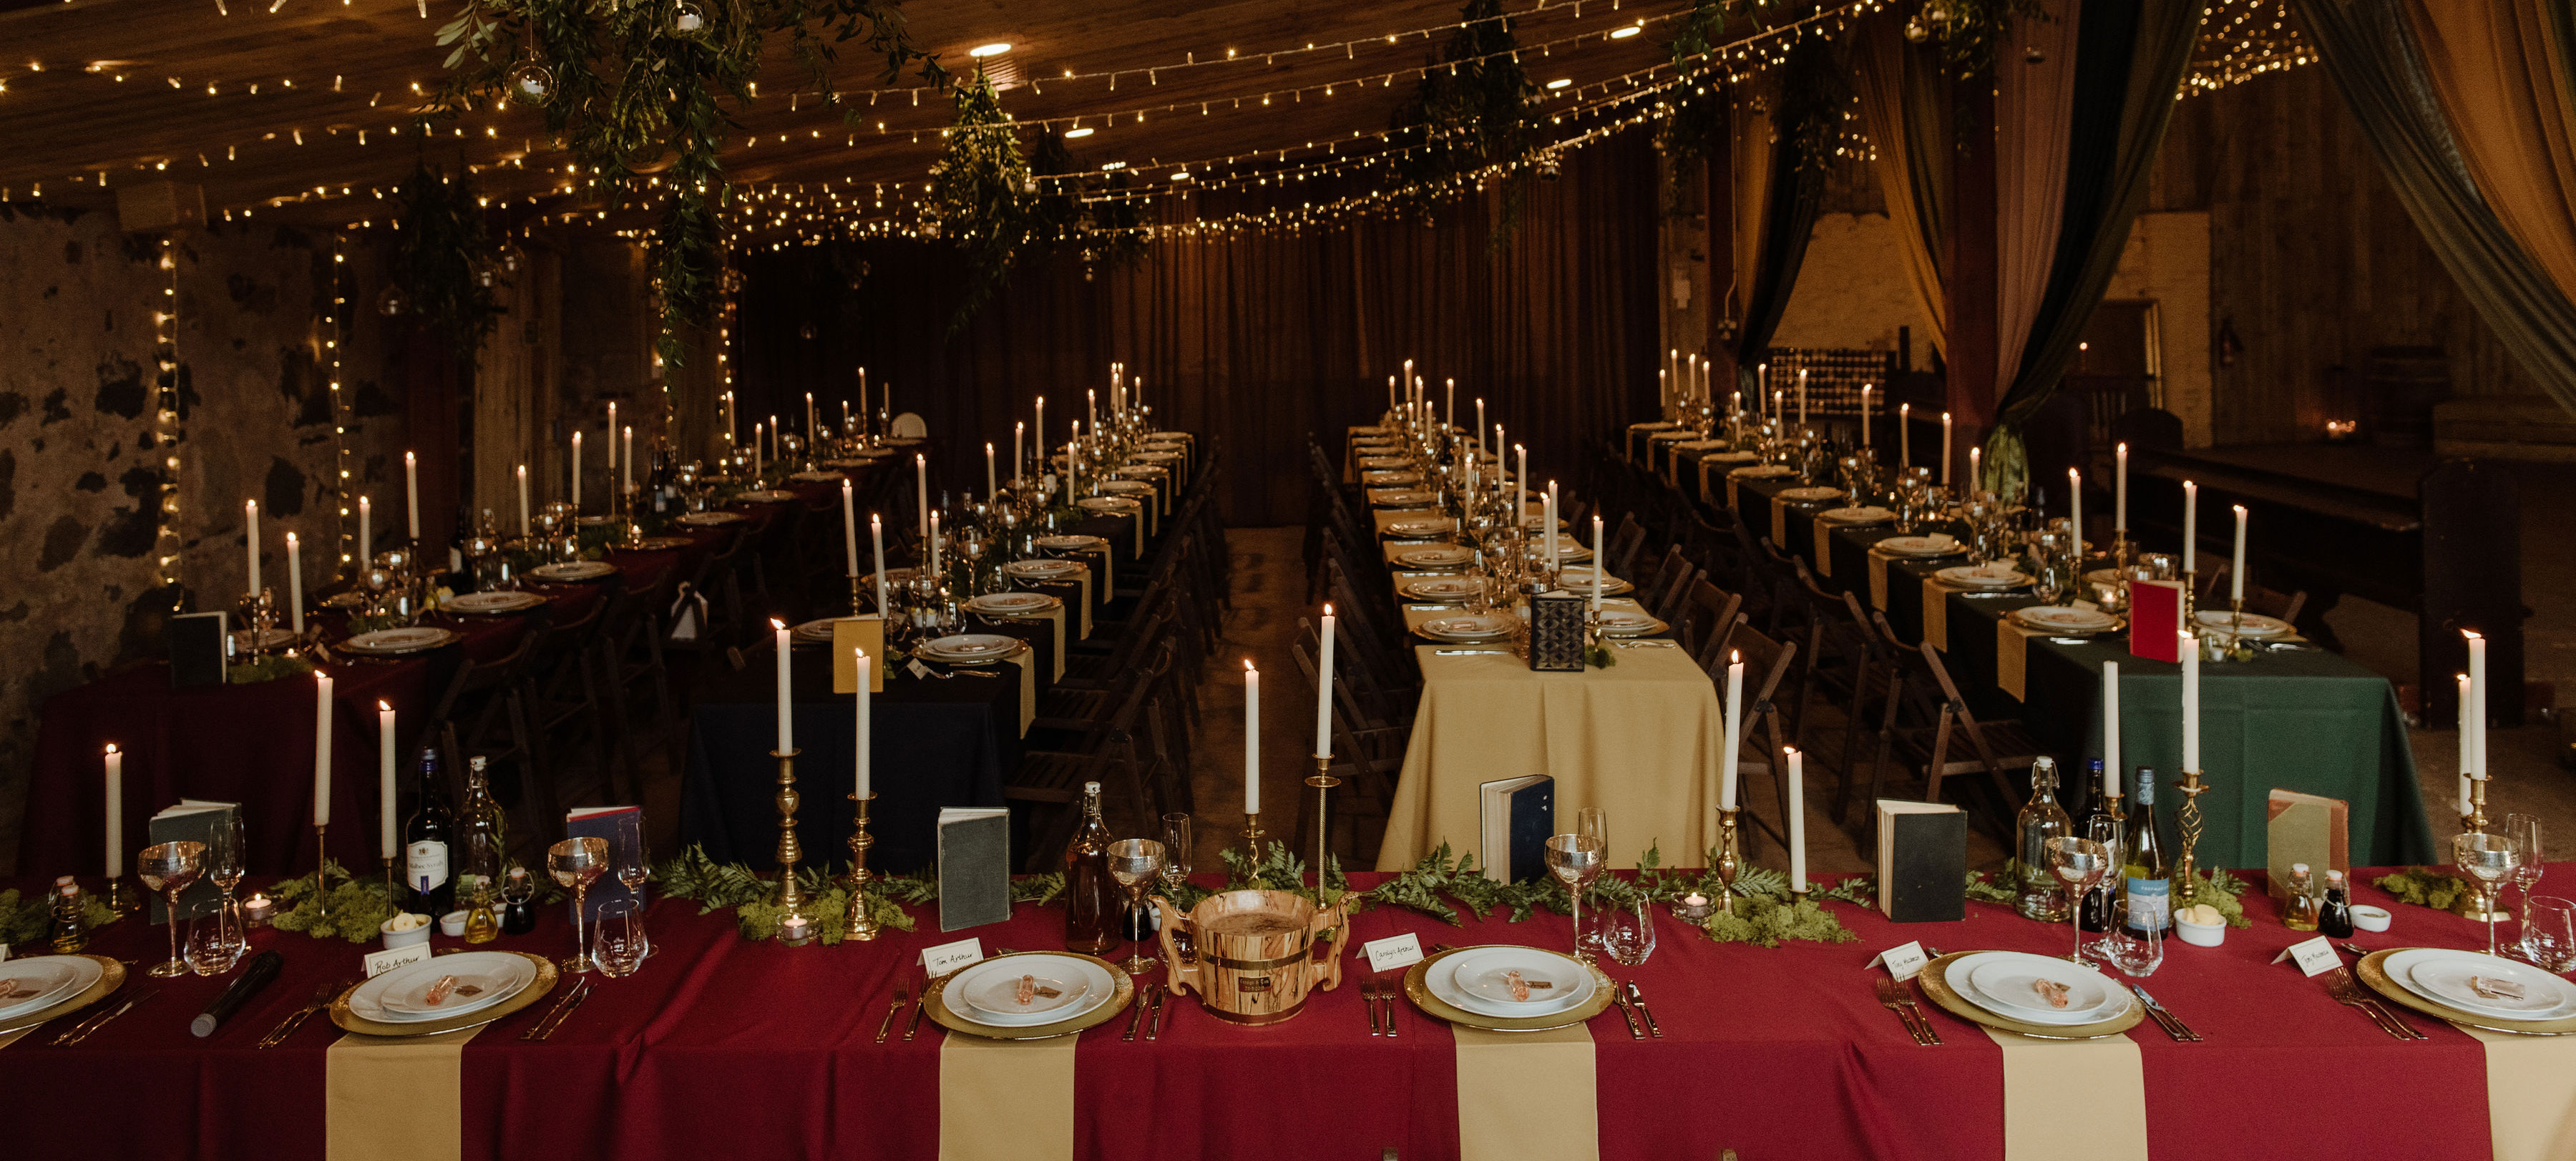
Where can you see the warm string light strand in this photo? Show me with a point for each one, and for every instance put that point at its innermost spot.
(335, 334)
(2241, 40)
(168, 427)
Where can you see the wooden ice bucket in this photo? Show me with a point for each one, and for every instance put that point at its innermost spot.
(1255, 953)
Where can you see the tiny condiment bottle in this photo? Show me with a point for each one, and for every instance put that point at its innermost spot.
(519, 915)
(2334, 918)
(71, 923)
(2299, 911)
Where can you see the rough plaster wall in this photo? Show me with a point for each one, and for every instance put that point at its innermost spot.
(1853, 291)
(2167, 261)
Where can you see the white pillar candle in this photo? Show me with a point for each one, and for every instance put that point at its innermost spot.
(2236, 572)
(2120, 491)
(626, 460)
(1864, 415)
(1945, 449)
(921, 493)
(786, 690)
(2075, 509)
(1600, 563)
(934, 543)
(1409, 380)
(385, 780)
(115, 811)
(992, 485)
(1728, 746)
(1547, 520)
(411, 491)
(1091, 406)
(862, 746)
(321, 748)
(757, 452)
(525, 525)
(576, 469)
(2110, 727)
(1039, 429)
(1905, 435)
(1480, 424)
(366, 529)
(849, 529)
(2468, 742)
(1324, 690)
(2190, 701)
(809, 415)
(846, 429)
(1802, 397)
(1072, 468)
(1520, 478)
(294, 585)
(2190, 523)
(1976, 479)
(250, 540)
(1392, 402)
(611, 473)
(1761, 384)
(1019, 437)
(773, 437)
(2477, 705)
(1449, 403)
(1797, 819)
(1252, 737)
(876, 537)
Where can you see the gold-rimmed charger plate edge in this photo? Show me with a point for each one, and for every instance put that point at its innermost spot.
(1937, 986)
(1416, 988)
(2374, 972)
(111, 977)
(537, 989)
(934, 999)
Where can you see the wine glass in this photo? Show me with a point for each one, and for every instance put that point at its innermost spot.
(224, 865)
(618, 945)
(171, 868)
(577, 863)
(2525, 830)
(2136, 949)
(2549, 932)
(2080, 863)
(1593, 823)
(1628, 933)
(1134, 863)
(2104, 829)
(1176, 869)
(2489, 860)
(1576, 860)
(633, 870)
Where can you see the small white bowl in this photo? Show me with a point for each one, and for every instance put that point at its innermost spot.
(394, 939)
(2369, 918)
(452, 925)
(2200, 934)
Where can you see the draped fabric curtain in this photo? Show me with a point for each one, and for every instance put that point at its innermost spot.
(2129, 62)
(1252, 338)
(2034, 111)
(1901, 95)
(2505, 73)
(1792, 193)
(2369, 51)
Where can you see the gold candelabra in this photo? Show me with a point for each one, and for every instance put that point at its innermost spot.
(1730, 855)
(859, 924)
(121, 897)
(1323, 782)
(791, 896)
(2187, 823)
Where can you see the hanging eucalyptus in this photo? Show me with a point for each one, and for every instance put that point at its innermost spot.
(443, 258)
(1468, 113)
(982, 198)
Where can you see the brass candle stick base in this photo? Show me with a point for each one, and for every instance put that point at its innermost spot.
(856, 589)
(2187, 823)
(1730, 855)
(121, 897)
(1252, 836)
(321, 859)
(1323, 782)
(791, 896)
(2191, 605)
(391, 884)
(858, 923)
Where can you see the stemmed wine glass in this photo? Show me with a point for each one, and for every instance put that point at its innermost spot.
(2488, 859)
(1134, 863)
(632, 872)
(577, 863)
(224, 864)
(2104, 829)
(171, 868)
(1593, 823)
(2081, 864)
(1176, 869)
(2524, 829)
(1576, 860)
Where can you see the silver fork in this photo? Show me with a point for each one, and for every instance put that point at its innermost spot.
(1368, 1000)
(1887, 998)
(329, 990)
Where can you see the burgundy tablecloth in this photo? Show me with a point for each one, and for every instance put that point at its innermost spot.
(726, 1048)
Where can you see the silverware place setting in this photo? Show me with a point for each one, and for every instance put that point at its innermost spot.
(322, 998)
(885, 1027)
(2347, 992)
(563, 1010)
(81, 1031)
(2165, 1019)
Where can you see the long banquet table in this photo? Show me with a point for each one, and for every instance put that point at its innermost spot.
(722, 1047)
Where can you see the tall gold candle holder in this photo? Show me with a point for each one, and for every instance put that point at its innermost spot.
(859, 924)
(321, 859)
(791, 896)
(856, 590)
(121, 897)
(1252, 836)
(2191, 605)
(1730, 855)
(2187, 823)
(1323, 781)
(391, 883)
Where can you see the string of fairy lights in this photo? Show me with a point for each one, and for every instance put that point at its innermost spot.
(168, 424)
(2241, 40)
(334, 333)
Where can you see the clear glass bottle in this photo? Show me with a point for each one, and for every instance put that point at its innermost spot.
(2299, 911)
(1091, 896)
(71, 921)
(2040, 896)
(519, 910)
(2334, 916)
(2146, 870)
(482, 835)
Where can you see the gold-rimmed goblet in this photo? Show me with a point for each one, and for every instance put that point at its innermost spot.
(2487, 859)
(2081, 864)
(1134, 863)
(1576, 860)
(577, 863)
(171, 868)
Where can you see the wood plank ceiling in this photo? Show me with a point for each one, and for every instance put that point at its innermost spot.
(300, 111)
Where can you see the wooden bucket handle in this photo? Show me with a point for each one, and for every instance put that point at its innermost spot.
(1330, 974)
(1183, 975)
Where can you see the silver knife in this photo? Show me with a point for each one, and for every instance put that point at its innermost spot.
(1468, 652)
(1637, 996)
(82, 1031)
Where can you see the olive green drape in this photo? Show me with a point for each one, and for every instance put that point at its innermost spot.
(2130, 56)
(1902, 98)
(1793, 189)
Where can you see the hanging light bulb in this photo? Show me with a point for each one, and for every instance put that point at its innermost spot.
(391, 301)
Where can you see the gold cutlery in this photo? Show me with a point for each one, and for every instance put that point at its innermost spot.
(1637, 996)
(913, 1025)
(1619, 1000)
(321, 999)
(1154, 1024)
(545, 1029)
(82, 1030)
(1922, 1019)
(886, 1026)
(2348, 993)
(1887, 998)
(1135, 1013)
(1386, 992)
(1368, 1001)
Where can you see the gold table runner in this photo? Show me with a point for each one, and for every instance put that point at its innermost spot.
(1527, 1094)
(1006, 1100)
(1824, 547)
(395, 1098)
(2044, 1078)
(2531, 1095)
(1877, 579)
(1730, 493)
(1082, 578)
(1780, 523)
(1054, 616)
(1026, 662)
(2012, 654)
(1936, 612)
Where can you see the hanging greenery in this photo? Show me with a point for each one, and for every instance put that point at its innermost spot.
(1467, 114)
(982, 199)
(638, 94)
(1968, 31)
(443, 258)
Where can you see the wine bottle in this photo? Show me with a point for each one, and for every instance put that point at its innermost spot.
(1090, 895)
(2095, 914)
(2146, 873)
(427, 889)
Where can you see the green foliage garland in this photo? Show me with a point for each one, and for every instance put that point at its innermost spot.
(691, 874)
(2424, 887)
(273, 666)
(442, 258)
(26, 923)
(359, 907)
(981, 197)
(1468, 115)
(1969, 30)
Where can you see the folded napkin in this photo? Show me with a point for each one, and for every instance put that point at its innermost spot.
(1824, 547)
(1527, 1094)
(2012, 654)
(2040, 1074)
(1006, 1099)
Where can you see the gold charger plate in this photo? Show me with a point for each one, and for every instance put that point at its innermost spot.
(535, 991)
(934, 1000)
(111, 978)
(2375, 974)
(1603, 992)
(1937, 986)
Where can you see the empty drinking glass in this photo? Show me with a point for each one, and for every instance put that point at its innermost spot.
(2549, 932)
(618, 945)
(2489, 861)
(1628, 933)
(1593, 823)
(2135, 951)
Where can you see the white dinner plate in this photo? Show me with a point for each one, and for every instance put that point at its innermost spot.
(1577, 578)
(1434, 556)
(1108, 504)
(1419, 526)
(766, 496)
(709, 519)
(2442, 975)
(1698, 444)
(1763, 471)
(969, 648)
(1810, 494)
(817, 477)
(1937, 544)
(494, 602)
(1128, 486)
(1081, 986)
(1858, 514)
(2256, 626)
(573, 570)
(1990, 575)
(1382, 461)
(1013, 604)
(814, 632)
(1389, 479)
(1412, 499)
(1470, 627)
(36, 981)
(2065, 619)
(1654, 425)
(390, 642)
(1568, 547)
(2001, 982)
(1478, 980)
(1629, 623)
(1069, 543)
(1141, 472)
(1042, 569)
(1731, 457)
(484, 978)
(1440, 588)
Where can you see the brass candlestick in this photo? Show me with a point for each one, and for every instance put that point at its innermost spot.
(859, 924)
(2472, 905)
(1730, 855)
(1252, 836)
(2191, 604)
(321, 859)
(121, 897)
(791, 897)
(856, 588)
(390, 881)
(1323, 782)
(2187, 822)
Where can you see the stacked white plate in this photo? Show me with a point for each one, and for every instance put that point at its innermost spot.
(1698, 444)
(394, 642)
(817, 477)
(2065, 619)
(1993, 574)
(1382, 461)
(37, 981)
(814, 632)
(1045, 568)
(1108, 504)
(1434, 556)
(766, 496)
(1810, 494)
(1937, 544)
(1480, 980)
(969, 648)
(988, 993)
(1418, 526)
(1388, 478)
(483, 978)
(1568, 547)
(2006, 984)
(1470, 627)
(1141, 472)
(494, 602)
(1440, 588)
(1732, 457)
(1127, 486)
(1406, 499)
(1763, 471)
(1070, 543)
(2255, 627)
(1578, 578)
(1629, 623)
(2445, 976)
(573, 570)
(1013, 604)
(1858, 514)
(708, 519)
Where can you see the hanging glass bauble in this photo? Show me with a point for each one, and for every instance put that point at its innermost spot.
(392, 301)
(532, 83)
(1915, 31)
(688, 20)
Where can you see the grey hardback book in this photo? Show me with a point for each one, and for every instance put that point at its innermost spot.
(974, 867)
(189, 822)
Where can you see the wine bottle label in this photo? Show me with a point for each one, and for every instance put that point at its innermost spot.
(425, 862)
(2150, 903)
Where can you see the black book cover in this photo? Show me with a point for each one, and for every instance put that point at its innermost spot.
(1923, 865)
(974, 867)
(1533, 821)
(197, 649)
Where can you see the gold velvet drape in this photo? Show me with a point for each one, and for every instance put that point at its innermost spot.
(2034, 113)
(1901, 87)
(2505, 74)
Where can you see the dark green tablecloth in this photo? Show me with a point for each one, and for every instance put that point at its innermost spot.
(2313, 722)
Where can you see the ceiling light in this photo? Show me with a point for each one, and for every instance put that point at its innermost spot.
(1085, 131)
(1559, 83)
(996, 48)
(1113, 165)
(1625, 33)
(1180, 175)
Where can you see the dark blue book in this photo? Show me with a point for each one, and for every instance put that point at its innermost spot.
(1518, 815)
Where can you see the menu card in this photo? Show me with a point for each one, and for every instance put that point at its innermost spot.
(1922, 861)
(2306, 828)
(974, 867)
(197, 644)
(2155, 616)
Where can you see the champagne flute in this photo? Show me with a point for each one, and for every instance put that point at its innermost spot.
(1176, 869)
(171, 868)
(2104, 829)
(633, 871)
(2489, 860)
(1134, 863)
(577, 863)
(225, 865)
(1593, 823)
(1576, 860)
(2525, 830)
(2080, 864)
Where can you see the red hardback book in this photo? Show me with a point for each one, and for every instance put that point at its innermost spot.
(2155, 615)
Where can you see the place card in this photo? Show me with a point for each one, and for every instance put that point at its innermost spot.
(948, 957)
(918, 670)
(2315, 957)
(1395, 953)
(1902, 961)
(380, 962)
